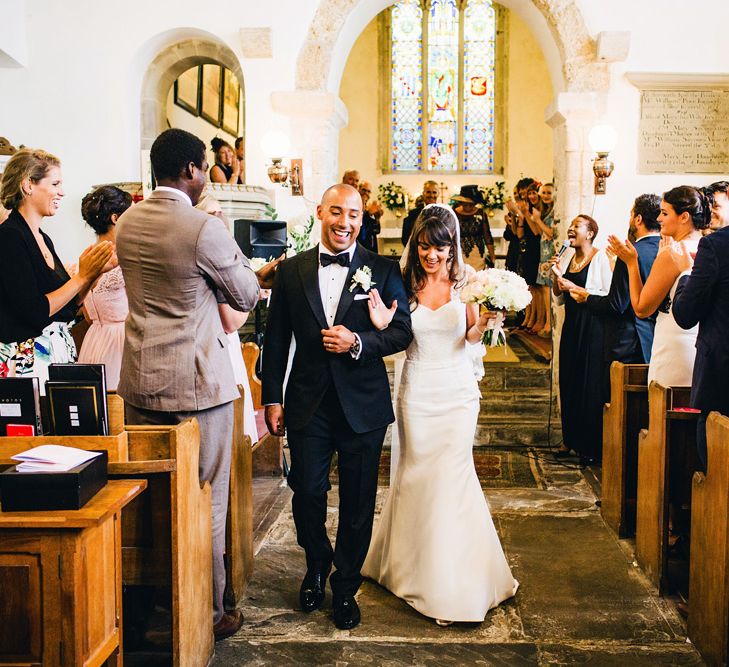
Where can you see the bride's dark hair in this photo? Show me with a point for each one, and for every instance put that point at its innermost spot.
(436, 227)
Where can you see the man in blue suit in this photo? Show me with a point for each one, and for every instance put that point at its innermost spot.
(702, 297)
(628, 338)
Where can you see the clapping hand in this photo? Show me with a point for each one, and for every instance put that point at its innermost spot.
(380, 314)
(93, 260)
(625, 251)
(566, 285)
(681, 256)
(267, 272)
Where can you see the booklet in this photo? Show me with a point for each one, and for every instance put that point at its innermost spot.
(52, 458)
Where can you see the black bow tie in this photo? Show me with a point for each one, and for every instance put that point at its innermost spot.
(326, 260)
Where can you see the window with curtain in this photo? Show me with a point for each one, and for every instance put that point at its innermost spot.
(443, 86)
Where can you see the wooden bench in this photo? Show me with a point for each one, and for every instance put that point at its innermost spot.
(239, 527)
(624, 417)
(268, 451)
(666, 461)
(166, 531)
(708, 621)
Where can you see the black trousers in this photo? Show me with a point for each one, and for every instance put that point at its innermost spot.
(358, 455)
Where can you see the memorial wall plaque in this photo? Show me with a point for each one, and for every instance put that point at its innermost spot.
(684, 132)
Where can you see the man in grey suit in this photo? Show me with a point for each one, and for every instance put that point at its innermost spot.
(178, 264)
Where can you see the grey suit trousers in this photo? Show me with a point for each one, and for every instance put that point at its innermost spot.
(216, 437)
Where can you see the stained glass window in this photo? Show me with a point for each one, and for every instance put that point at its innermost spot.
(407, 86)
(443, 85)
(479, 36)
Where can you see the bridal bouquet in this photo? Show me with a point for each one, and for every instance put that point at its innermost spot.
(496, 289)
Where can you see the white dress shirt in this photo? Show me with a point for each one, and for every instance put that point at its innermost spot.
(184, 195)
(331, 282)
(331, 286)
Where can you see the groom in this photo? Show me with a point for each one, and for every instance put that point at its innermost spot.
(338, 396)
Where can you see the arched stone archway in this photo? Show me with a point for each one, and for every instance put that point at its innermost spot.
(579, 79)
(168, 64)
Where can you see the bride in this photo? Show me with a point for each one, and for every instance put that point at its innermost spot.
(435, 545)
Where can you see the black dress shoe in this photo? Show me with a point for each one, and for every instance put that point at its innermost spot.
(346, 612)
(311, 594)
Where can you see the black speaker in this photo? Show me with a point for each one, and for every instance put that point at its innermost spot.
(261, 238)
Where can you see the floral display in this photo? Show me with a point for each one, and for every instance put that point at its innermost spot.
(500, 290)
(494, 196)
(393, 196)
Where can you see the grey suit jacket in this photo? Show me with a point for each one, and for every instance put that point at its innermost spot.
(178, 263)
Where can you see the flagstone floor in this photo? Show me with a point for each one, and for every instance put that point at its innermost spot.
(581, 601)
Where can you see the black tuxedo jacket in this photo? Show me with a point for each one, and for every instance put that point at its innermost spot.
(296, 308)
(703, 298)
(627, 338)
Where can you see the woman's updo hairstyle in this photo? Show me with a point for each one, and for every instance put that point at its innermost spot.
(216, 143)
(691, 200)
(98, 206)
(436, 226)
(25, 163)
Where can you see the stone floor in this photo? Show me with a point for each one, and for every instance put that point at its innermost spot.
(581, 600)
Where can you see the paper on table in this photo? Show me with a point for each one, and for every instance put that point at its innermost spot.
(52, 458)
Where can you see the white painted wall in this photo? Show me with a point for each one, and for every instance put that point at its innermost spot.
(79, 93)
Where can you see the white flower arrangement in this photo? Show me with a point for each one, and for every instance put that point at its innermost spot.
(393, 196)
(362, 278)
(494, 197)
(257, 263)
(496, 289)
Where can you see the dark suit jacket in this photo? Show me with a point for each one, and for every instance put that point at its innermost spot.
(703, 298)
(25, 279)
(368, 231)
(409, 222)
(296, 308)
(627, 338)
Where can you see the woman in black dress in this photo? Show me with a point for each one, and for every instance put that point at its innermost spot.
(581, 365)
(227, 167)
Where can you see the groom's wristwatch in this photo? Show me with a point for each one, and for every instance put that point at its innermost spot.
(355, 348)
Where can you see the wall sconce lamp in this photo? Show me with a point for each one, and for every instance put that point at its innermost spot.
(602, 140)
(276, 143)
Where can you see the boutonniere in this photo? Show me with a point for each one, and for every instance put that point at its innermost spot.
(362, 278)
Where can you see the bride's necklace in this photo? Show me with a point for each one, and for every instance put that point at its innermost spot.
(576, 267)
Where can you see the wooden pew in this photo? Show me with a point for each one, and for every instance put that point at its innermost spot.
(239, 527)
(624, 417)
(708, 620)
(166, 531)
(666, 455)
(268, 451)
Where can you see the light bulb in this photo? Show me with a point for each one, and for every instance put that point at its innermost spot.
(603, 138)
(275, 144)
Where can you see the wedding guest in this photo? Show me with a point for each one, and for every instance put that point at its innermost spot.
(351, 177)
(543, 217)
(429, 196)
(685, 211)
(718, 194)
(628, 338)
(227, 167)
(371, 214)
(105, 305)
(178, 262)
(529, 206)
(38, 296)
(581, 345)
(477, 243)
(702, 297)
(240, 154)
(233, 320)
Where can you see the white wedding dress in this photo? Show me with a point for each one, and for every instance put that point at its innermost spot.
(435, 545)
(674, 349)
